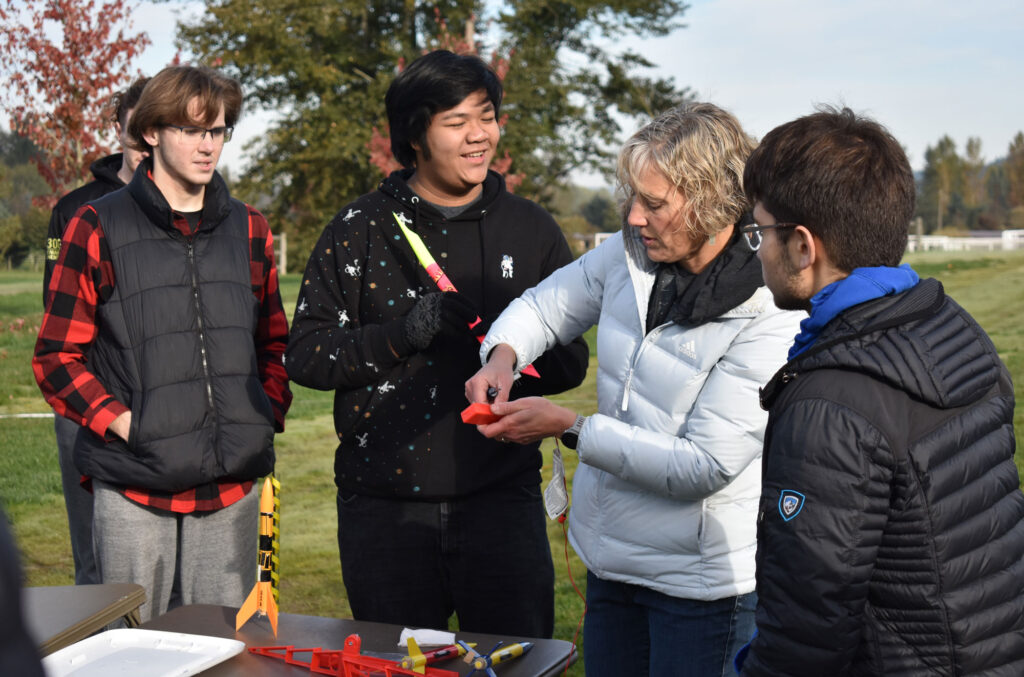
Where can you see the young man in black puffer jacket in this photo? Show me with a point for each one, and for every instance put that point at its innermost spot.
(891, 528)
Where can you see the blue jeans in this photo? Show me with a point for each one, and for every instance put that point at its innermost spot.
(484, 557)
(632, 630)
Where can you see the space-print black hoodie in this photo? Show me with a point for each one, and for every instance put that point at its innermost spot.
(397, 420)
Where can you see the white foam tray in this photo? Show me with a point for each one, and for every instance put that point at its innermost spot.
(140, 653)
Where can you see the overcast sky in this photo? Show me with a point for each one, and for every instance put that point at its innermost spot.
(922, 68)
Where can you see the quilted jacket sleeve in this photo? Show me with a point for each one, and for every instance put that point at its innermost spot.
(724, 429)
(559, 309)
(824, 505)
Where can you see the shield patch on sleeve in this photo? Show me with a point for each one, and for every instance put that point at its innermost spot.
(790, 504)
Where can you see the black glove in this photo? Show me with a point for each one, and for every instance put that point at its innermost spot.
(437, 315)
(482, 327)
(457, 313)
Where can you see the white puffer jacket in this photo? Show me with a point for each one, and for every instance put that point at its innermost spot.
(666, 493)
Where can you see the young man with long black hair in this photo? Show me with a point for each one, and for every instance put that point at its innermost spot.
(433, 518)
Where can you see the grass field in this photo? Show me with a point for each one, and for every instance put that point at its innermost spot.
(989, 285)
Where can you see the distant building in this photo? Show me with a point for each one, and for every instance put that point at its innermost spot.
(1013, 239)
(584, 242)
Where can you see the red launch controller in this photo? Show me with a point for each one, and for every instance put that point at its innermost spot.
(479, 413)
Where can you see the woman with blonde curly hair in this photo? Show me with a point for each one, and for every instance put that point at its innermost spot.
(666, 491)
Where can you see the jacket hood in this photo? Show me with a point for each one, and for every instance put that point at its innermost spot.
(216, 201)
(106, 168)
(396, 186)
(919, 341)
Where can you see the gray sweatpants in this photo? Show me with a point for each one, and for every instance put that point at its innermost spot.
(213, 554)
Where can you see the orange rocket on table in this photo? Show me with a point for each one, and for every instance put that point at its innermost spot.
(261, 599)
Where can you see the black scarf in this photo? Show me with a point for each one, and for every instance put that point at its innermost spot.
(684, 298)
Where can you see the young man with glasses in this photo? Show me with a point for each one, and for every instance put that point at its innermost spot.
(163, 337)
(891, 528)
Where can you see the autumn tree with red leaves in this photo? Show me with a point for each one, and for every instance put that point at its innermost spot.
(60, 62)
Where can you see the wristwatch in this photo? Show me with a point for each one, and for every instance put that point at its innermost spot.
(571, 437)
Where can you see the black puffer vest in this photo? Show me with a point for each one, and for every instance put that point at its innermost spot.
(175, 345)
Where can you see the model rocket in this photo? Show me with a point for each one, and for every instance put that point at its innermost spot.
(436, 274)
(417, 660)
(261, 599)
(485, 662)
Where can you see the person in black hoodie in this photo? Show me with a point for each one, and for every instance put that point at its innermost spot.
(432, 517)
(111, 173)
(891, 529)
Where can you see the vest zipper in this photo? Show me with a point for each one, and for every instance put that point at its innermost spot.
(199, 321)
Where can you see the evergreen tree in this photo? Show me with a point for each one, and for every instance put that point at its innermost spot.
(324, 68)
(1015, 171)
(942, 190)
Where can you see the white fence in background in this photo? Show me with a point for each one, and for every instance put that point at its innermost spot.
(1007, 239)
(998, 241)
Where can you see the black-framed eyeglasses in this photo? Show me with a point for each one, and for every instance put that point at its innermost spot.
(752, 232)
(195, 135)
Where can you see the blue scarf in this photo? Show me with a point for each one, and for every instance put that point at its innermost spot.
(863, 284)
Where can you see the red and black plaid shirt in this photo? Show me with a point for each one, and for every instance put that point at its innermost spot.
(82, 280)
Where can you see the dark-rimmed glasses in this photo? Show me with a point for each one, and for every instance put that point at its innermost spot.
(194, 135)
(752, 232)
